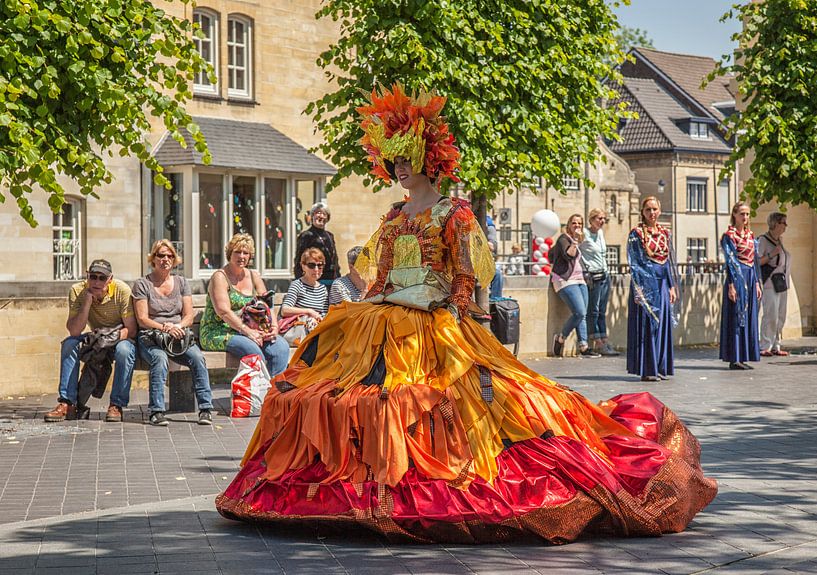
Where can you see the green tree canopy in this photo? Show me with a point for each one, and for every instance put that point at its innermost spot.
(80, 77)
(629, 37)
(775, 65)
(524, 81)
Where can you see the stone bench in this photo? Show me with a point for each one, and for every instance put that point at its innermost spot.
(181, 397)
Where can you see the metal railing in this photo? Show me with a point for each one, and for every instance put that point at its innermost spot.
(623, 269)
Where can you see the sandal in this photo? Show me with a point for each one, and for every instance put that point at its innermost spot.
(781, 353)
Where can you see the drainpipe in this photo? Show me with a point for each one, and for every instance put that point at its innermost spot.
(675, 205)
(717, 188)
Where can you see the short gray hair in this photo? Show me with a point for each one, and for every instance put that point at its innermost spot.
(323, 207)
(351, 255)
(775, 218)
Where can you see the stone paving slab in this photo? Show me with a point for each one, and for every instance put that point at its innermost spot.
(94, 498)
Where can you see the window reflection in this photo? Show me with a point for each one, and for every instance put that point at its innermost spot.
(211, 248)
(275, 224)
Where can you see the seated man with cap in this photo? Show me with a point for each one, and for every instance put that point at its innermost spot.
(103, 304)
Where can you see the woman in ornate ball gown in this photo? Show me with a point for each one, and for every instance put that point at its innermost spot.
(402, 414)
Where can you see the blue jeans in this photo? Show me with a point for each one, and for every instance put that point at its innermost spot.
(157, 359)
(124, 357)
(497, 284)
(597, 309)
(276, 353)
(575, 296)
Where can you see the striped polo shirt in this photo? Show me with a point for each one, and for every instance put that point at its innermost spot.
(114, 307)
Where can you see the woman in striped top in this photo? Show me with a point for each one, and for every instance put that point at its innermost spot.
(306, 295)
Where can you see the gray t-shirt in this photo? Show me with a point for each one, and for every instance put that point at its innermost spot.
(162, 308)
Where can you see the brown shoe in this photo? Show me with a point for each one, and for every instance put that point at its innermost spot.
(62, 412)
(114, 414)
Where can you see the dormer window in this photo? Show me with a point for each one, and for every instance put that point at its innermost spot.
(698, 130)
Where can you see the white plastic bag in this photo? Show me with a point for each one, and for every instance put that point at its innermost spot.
(249, 387)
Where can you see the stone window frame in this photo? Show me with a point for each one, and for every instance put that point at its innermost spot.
(212, 36)
(247, 65)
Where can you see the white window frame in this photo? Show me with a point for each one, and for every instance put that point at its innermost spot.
(696, 195)
(724, 207)
(699, 247)
(68, 251)
(232, 66)
(699, 130)
(201, 83)
(570, 184)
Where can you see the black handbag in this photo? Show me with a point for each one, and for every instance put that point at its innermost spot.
(779, 282)
(505, 320)
(170, 345)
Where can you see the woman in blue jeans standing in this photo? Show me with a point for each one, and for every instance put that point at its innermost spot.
(597, 277)
(162, 301)
(568, 281)
(231, 288)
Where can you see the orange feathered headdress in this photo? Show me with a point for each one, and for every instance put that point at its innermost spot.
(395, 124)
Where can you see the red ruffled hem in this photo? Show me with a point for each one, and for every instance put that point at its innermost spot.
(555, 487)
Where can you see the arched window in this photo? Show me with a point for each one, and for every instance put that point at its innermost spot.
(613, 211)
(207, 47)
(239, 56)
(67, 240)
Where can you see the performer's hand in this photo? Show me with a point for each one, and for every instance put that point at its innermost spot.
(452, 309)
(733, 294)
(759, 290)
(673, 295)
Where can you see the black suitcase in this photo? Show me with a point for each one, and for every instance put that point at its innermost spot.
(505, 320)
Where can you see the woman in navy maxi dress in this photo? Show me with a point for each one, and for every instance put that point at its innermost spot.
(741, 292)
(653, 291)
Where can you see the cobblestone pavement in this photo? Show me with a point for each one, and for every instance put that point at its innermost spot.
(92, 497)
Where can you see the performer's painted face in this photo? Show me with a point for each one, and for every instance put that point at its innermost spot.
(404, 172)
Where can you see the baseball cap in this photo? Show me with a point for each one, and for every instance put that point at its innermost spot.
(101, 267)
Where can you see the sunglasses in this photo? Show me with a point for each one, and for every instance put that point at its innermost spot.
(98, 277)
(314, 265)
(164, 256)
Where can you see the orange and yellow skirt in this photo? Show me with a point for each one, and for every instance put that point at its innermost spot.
(426, 429)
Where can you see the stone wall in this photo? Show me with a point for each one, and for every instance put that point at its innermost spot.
(33, 327)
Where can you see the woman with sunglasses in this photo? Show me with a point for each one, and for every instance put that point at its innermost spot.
(230, 289)
(163, 301)
(306, 295)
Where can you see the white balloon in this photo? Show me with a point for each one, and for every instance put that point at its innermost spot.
(543, 260)
(539, 242)
(537, 255)
(536, 269)
(544, 248)
(542, 274)
(544, 223)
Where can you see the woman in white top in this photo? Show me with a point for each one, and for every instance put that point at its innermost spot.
(568, 281)
(774, 259)
(596, 275)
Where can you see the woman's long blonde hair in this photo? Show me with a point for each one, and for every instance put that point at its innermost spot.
(567, 226)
